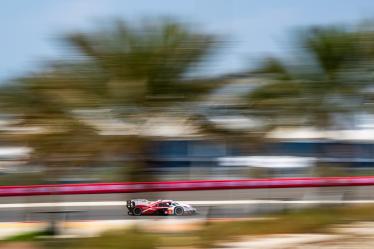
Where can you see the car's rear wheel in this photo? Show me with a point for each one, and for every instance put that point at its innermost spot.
(137, 211)
(178, 211)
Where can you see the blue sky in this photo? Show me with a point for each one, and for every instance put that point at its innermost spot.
(29, 28)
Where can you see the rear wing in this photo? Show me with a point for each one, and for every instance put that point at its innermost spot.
(135, 202)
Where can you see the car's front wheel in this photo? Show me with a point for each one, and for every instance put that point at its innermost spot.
(137, 211)
(179, 211)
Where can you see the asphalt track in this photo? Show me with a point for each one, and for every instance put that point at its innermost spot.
(212, 204)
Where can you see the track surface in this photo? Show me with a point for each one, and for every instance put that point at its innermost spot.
(113, 212)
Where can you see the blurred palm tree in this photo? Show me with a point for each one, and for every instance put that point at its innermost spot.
(143, 66)
(326, 77)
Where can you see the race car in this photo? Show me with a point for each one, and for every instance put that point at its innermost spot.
(139, 207)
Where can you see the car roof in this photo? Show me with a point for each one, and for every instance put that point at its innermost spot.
(162, 201)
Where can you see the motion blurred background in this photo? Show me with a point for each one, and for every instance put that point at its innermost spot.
(118, 91)
(110, 91)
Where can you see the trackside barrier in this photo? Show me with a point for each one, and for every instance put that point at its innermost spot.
(133, 187)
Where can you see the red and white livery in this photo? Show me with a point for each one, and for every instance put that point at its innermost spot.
(140, 207)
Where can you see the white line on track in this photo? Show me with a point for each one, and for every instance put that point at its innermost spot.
(196, 203)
